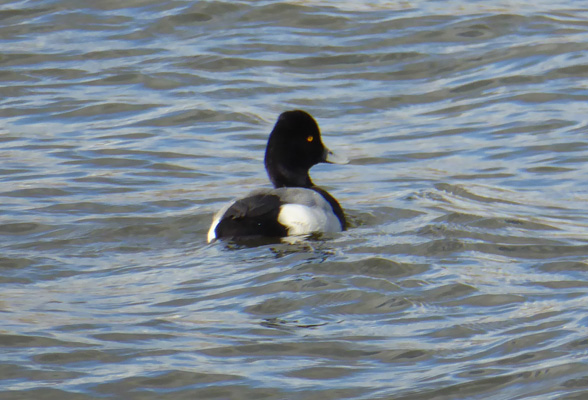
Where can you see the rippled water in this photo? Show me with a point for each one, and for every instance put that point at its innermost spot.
(125, 125)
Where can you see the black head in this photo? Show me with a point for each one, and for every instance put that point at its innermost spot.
(294, 146)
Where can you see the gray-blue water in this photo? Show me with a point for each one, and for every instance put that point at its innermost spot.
(125, 124)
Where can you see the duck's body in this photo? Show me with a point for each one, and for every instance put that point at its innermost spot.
(277, 213)
(295, 206)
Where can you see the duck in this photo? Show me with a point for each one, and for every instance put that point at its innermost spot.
(294, 206)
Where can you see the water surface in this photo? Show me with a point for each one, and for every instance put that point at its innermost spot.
(125, 125)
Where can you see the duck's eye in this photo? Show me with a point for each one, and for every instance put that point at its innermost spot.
(310, 138)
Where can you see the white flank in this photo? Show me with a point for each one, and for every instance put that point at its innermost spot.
(211, 233)
(215, 220)
(302, 220)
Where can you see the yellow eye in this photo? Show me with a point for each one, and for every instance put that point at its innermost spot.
(310, 138)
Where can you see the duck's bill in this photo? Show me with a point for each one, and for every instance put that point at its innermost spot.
(334, 158)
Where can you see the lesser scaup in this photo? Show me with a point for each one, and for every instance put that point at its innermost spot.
(295, 206)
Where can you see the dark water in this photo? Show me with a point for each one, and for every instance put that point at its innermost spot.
(125, 125)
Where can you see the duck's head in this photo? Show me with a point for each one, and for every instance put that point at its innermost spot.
(294, 146)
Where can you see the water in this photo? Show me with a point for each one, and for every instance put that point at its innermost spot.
(125, 125)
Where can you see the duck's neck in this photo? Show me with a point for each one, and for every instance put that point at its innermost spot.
(281, 176)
